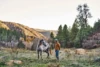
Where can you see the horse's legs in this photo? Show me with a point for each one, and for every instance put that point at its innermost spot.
(38, 54)
(47, 51)
(48, 54)
(41, 54)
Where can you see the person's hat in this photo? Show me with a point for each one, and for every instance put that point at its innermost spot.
(56, 39)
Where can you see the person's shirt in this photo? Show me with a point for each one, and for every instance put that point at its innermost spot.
(57, 46)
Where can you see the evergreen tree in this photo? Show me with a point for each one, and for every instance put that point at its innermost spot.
(83, 15)
(82, 19)
(74, 31)
(60, 35)
(51, 35)
(65, 35)
(85, 33)
(96, 26)
(51, 40)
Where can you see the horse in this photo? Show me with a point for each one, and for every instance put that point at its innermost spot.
(43, 46)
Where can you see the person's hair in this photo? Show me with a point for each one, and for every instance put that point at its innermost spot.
(56, 41)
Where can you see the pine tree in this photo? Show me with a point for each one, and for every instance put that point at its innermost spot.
(60, 34)
(96, 26)
(65, 35)
(52, 35)
(82, 19)
(83, 15)
(74, 31)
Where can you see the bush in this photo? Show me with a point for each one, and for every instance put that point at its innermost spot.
(20, 45)
(82, 34)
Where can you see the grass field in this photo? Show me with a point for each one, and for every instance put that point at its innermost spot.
(67, 58)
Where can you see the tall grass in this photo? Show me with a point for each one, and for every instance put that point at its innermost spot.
(67, 59)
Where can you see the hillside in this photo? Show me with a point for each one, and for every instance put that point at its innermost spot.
(2, 25)
(21, 28)
(46, 33)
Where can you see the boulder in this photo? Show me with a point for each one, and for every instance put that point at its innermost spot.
(53, 65)
(10, 63)
(80, 51)
(17, 61)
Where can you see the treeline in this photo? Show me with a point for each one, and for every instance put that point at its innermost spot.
(7, 35)
(73, 37)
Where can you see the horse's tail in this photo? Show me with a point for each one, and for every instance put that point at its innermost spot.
(50, 51)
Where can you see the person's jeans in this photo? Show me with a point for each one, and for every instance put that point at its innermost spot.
(57, 54)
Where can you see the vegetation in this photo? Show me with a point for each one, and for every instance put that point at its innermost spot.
(60, 34)
(63, 35)
(83, 15)
(9, 35)
(82, 19)
(6, 35)
(80, 29)
(67, 59)
(82, 34)
(96, 26)
(74, 37)
(52, 35)
(73, 33)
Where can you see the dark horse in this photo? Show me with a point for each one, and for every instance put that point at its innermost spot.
(43, 46)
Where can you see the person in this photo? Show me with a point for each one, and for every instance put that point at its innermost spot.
(57, 48)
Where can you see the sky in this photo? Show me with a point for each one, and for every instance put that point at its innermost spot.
(46, 14)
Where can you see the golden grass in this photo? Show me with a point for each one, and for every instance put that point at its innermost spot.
(67, 57)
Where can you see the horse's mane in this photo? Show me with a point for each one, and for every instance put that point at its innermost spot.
(44, 44)
(40, 42)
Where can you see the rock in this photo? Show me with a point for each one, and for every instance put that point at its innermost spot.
(9, 63)
(80, 51)
(17, 62)
(53, 65)
(67, 50)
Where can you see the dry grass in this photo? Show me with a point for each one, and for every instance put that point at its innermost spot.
(68, 58)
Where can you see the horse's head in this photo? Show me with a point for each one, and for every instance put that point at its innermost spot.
(44, 43)
(40, 43)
